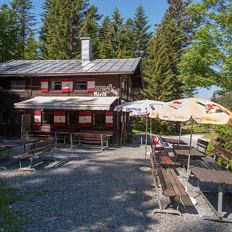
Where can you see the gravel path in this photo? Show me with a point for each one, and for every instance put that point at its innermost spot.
(88, 190)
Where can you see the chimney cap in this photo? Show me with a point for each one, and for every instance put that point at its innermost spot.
(85, 38)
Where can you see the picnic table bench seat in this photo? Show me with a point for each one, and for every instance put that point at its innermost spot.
(163, 158)
(91, 138)
(170, 185)
(34, 150)
(207, 163)
(40, 134)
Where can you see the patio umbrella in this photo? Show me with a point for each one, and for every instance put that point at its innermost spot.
(142, 108)
(195, 109)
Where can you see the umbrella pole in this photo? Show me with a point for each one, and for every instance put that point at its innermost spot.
(146, 141)
(189, 155)
(180, 133)
(150, 128)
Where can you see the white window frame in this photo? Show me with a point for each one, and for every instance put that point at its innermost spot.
(20, 86)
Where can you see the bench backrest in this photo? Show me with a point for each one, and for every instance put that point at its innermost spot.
(90, 136)
(202, 145)
(41, 145)
(222, 152)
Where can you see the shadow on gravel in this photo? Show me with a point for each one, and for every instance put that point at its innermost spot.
(88, 192)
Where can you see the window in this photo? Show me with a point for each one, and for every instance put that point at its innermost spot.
(99, 119)
(56, 85)
(80, 85)
(3, 117)
(3, 84)
(72, 118)
(17, 85)
(47, 117)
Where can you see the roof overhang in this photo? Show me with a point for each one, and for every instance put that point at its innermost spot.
(67, 103)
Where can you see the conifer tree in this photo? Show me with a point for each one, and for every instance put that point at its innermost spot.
(90, 28)
(105, 37)
(64, 23)
(43, 32)
(31, 48)
(165, 52)
(25, 22)
(59, 26)
(126, 42)
(142, 35)
(117, 23)
(8, 34)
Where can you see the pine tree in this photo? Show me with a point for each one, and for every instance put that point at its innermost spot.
(8, 34)
(43, 32)
(142, 35)
(25, 22)
(117, 23)
(126, 42)
(90, 28)
(64, 23)
(105, 37)
(31, 48)
(165, 52)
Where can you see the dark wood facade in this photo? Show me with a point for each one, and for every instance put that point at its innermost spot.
(14, 89)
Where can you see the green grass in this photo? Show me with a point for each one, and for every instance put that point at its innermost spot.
(42, 192)
(10, 219)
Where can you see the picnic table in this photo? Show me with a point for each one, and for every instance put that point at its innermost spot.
(91, 138)
(7, 145)
(183, 151)
(219, 177)
(62, 136)
(173, 141)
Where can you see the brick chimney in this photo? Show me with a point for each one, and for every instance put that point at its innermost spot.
(86, 49)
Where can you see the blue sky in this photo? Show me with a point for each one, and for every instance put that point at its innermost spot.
(154, 9)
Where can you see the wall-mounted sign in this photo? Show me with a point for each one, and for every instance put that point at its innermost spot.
(105, 90)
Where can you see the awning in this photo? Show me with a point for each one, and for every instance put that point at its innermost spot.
(67, 103)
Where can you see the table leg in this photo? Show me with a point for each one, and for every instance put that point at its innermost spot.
(220, 200)
(220, 214)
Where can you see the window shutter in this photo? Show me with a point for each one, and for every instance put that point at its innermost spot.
(67, 86)
(59, 119)
(44, 86)
(91, 85)
(37, 118)
(109, 119)
(85, 119)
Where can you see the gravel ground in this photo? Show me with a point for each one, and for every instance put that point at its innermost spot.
(88, 190)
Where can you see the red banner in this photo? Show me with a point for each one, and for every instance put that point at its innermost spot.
(37, 118)
(44, 86)
(59, 119)
(67, 86)
(85, 119)
(109, 119)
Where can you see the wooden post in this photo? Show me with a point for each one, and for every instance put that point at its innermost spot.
(189, 156)
(180, 133)
(71, 140)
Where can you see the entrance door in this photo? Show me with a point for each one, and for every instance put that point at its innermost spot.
(26, 124)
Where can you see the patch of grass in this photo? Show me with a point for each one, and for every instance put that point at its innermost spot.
(42, 192)
(10, 219)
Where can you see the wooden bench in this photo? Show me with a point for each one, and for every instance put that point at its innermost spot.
(202, 145)
(222, 153)
(90, 138)
(211, 162)
(40, 134)
(165, 160)
(171, 187)
(34, 150)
